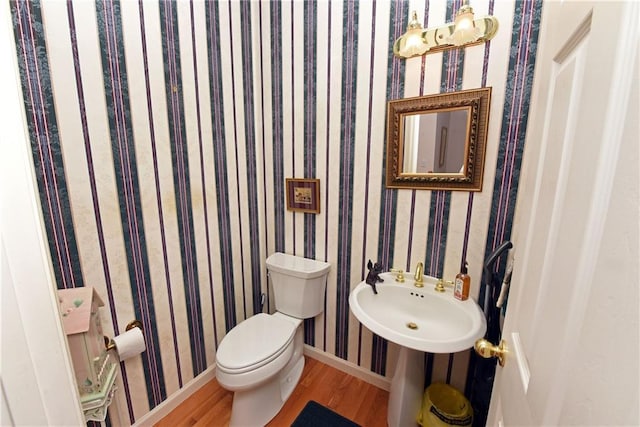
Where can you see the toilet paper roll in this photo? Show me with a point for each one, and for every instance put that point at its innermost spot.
(130, 344)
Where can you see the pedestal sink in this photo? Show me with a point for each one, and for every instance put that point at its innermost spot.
(419, 320)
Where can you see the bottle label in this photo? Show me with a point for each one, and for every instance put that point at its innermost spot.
(457, 289)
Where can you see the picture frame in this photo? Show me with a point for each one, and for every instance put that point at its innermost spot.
(303, 195)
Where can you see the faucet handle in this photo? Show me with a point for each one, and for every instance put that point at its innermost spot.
(441, 284)
(399, 274)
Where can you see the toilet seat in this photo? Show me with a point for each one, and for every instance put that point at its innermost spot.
(254, 342)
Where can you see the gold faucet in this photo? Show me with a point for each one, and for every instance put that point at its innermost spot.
(418, 279)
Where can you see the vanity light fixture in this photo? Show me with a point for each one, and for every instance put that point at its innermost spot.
(464, 31)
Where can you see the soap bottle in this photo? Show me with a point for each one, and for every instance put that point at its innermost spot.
(462, 284)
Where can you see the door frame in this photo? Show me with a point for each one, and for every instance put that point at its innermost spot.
(53, 395)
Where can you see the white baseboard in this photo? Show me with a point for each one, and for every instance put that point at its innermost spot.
(172, 402)
(348, 367)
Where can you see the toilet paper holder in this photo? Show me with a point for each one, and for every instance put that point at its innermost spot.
(109, 344)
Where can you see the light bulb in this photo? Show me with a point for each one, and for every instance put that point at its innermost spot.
(465, 30)
(411, 43)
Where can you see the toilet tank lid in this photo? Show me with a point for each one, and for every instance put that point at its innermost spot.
(292, 265)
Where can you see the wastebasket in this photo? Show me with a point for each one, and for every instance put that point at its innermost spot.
(443, 405)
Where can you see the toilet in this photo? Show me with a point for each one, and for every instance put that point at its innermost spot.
(261, 359)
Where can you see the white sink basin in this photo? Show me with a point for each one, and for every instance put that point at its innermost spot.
(418, 318)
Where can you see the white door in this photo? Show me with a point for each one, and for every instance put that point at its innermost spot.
(572, 323)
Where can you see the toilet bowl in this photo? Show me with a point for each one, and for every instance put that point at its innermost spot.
(261, 358)
(256, 350)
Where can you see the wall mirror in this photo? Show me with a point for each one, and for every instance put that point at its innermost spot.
(438, 142)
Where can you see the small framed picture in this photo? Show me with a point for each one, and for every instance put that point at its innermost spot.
(303, 195)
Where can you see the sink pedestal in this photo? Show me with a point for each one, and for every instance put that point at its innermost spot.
(407, 388)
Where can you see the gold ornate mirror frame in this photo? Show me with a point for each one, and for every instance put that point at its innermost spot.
(471, 143)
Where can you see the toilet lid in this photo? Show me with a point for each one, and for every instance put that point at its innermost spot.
(254, 342)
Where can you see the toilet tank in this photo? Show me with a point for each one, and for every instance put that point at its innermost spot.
(298, 284)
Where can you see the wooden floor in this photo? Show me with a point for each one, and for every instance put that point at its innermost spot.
(351, 397)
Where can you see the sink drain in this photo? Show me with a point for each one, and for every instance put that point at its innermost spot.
(412, 325)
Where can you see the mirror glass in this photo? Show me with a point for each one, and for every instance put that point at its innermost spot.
(438, 141)
(435, 142)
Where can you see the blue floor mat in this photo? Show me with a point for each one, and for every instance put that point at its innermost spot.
(316, 415)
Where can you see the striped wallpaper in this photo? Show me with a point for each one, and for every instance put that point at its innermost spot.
(162, 133)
